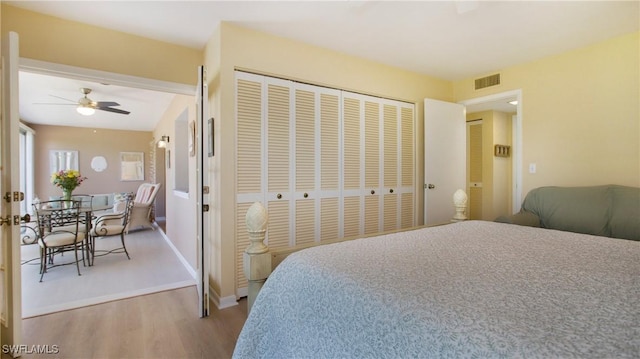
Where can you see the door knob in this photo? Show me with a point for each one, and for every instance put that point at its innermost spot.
(431, 186)
(5, 220)
(26, 218)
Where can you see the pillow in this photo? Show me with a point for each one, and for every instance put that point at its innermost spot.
(119, 206)
(625, 212)
(144, 194)
(100, 200)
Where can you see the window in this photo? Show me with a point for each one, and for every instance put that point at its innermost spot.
(27, 186)
(181, 152)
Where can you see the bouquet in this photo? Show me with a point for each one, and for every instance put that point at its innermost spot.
(67, 180)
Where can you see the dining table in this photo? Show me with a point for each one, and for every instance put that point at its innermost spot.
(88, 214)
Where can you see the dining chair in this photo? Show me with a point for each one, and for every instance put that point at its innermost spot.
(86, 200)
(111, 224)
(59, 232)
(86, 204)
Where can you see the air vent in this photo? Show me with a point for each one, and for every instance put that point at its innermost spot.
(488, 81)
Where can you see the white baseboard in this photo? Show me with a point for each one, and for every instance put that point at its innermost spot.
(220, 303)
(224, 302)
(243, 292)
(178, 254)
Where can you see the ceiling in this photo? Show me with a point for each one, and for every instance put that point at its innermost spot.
(451, 40)
(50, 100)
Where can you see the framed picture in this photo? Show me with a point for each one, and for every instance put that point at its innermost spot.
(131, 166)
(62, 160)
(192, 138)
(210, 137)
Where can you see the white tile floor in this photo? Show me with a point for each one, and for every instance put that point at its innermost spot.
(153, 267)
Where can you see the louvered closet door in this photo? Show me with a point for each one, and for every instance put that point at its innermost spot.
(249, 149)
(398, 159)
(407, 189)
(352, 110)
(372, 167)
(326, 163)
(330, 165)
(305, 164)
(278, 166)
(390, 171)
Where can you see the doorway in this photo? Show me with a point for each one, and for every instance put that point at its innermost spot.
(506, 109)
(37, 67)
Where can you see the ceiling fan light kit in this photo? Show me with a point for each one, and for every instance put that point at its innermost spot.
(85, 110)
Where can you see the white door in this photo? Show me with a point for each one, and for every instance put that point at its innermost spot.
(445, 158)
(202, 189)
(10, 281)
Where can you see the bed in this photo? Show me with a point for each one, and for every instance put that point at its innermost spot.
(472, 289)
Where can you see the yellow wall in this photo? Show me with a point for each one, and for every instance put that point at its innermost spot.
(580, 109)
(580, 114)
(501, 166)
(51, 39)
(234, 47)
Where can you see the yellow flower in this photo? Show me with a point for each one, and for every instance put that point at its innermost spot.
(67, 180)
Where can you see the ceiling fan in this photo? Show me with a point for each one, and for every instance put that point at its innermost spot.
(87, 107)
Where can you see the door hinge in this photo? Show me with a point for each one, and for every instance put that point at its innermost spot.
(205, 189)
(17, 196)
(205, 208)
(4, 221)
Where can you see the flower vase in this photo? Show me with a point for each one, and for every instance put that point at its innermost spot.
(66, 196)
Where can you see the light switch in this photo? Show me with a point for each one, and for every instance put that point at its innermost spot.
(532, 168)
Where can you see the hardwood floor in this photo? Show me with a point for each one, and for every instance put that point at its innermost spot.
(159, 325)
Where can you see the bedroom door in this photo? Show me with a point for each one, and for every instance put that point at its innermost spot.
(445, 158)
(10, 280)
(202, 195)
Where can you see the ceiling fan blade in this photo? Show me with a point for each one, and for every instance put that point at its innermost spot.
(66, 99)
(106, 104)
(115, 110)
(51, 103)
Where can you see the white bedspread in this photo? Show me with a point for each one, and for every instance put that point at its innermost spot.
(466, 290)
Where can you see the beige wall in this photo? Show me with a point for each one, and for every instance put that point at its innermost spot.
(233, 47)
(180, 207)
(89, 143)
(580, 114)
(47, 38)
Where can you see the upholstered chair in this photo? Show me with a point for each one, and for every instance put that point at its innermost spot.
(141, 214)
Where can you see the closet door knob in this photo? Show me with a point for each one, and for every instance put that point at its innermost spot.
(305, 195)
(279, 196)
(373, 192)
(391, 190)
